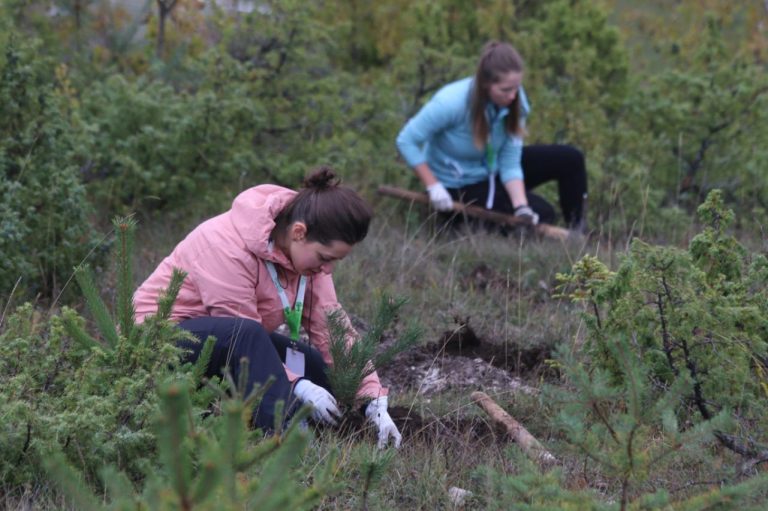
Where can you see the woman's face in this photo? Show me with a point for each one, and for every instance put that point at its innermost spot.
(309, 257)
(504, 91)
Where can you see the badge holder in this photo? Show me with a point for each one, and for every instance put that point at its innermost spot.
(294, 359)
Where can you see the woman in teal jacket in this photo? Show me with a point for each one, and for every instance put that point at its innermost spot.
(466, 143)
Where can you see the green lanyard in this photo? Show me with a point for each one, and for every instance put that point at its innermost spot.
(490, 156)
(292, 314)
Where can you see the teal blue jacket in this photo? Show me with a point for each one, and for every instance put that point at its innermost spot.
(440, 134)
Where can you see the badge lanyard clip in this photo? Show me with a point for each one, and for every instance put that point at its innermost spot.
(294, 358)
(292, 314)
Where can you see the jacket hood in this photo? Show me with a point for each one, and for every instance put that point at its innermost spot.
(253, 216)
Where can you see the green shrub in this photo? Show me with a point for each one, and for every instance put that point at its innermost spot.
(353, 363)
(209, 466)
(153, 148)
(91, 396)
(693, 317)
(43, 206)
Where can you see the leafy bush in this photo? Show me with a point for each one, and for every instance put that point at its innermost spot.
(94, 400)
(695, 318)
(152, 148)
(205, 467)
(707, 117)
(43, 206)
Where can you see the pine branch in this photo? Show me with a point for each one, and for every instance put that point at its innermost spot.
(118, 486)
(70, 483)
(201, 364)
(168, 297)
(96, 305)
(172, 433)
(125, 228)
(207, 480)
(352, 362)
(73, 326)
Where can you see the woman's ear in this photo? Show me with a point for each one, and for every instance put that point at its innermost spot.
(298, 231)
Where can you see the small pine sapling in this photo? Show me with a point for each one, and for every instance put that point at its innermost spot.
(353, 361)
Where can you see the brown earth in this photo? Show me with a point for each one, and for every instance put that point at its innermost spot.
(459, 361)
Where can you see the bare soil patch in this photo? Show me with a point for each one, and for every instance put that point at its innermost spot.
(460, 359)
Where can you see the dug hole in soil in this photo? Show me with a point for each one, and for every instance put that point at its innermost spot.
(459, 361)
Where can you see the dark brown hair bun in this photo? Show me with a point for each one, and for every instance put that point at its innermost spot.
(330, 211)
(321, 178)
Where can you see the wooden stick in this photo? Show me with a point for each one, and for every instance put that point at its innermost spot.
(550, 231)
(519, 434)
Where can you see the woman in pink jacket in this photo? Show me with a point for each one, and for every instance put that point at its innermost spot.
(265, 262)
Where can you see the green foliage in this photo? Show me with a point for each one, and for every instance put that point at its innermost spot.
(695, 112)
(209, 466)
(620, 421)
(152, 148)
(91, 397)
(694, 320)
(248, 98)
(44, 230)
(530, 490)
(373, 465)
(309, 110)
(353, 362)
(575, 58)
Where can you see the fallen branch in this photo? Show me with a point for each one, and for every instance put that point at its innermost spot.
(547, 230)
(519, 434)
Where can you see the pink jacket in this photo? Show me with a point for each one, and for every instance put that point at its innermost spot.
(226, 275)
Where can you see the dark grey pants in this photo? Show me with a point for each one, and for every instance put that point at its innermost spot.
(238, 338)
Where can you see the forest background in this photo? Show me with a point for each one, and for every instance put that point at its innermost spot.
(650, 372)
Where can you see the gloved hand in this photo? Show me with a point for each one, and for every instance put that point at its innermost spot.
(376, 412)
(324, 406)
(525, 212)
(439, 197)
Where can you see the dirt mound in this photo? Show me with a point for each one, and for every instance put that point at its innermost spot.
(462, 360)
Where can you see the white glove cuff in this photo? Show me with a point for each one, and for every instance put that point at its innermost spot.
(375, 405)
(300, 387)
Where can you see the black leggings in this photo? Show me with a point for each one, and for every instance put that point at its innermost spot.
(541, 163)
(238, 338)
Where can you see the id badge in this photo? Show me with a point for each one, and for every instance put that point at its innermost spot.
(294, 360)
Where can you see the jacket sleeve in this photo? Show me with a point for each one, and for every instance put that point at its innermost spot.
(433, 117)
(324, 301)
(225, 282)
(510, 159)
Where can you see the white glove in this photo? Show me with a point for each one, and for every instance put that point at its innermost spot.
(527, 213)
(324, 406)
(376, 412)
(439, 197)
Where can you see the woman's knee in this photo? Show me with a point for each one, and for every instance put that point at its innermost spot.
(575, 158)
